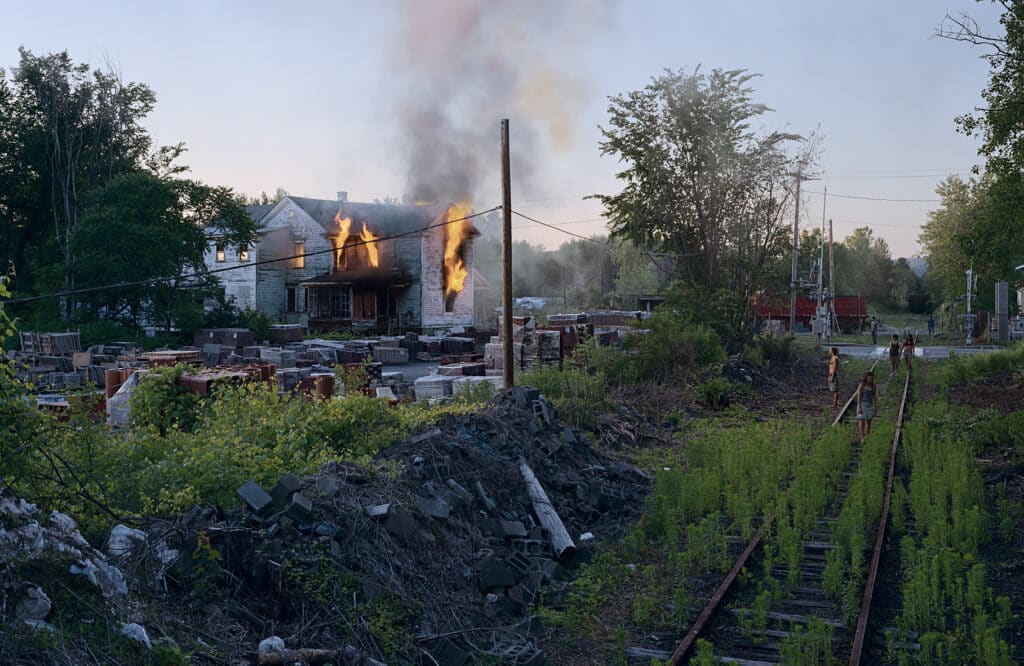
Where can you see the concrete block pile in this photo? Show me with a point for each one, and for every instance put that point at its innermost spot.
(451, 523)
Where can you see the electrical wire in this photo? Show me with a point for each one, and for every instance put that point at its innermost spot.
(248, 264)
(610, 246)
(851, 196)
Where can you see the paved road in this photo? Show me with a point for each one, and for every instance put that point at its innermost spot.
(932, 353)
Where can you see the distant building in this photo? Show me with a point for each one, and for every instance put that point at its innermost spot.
(336, 265)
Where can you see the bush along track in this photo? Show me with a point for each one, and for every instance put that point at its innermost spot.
(948, 613)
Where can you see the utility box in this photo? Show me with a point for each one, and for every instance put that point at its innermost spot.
(1002, 318)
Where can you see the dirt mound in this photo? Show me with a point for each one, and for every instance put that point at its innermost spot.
(433, 554)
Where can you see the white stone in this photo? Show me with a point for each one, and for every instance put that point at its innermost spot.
(272, 645)
(35, 605)
(123, 539)
(136, 632)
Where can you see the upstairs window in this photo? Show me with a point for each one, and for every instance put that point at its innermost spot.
(243, 253)
(299, 254)
(220, 252)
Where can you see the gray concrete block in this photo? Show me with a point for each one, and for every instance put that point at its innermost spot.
(495, 578)
(300, 509)
(286, 486)
(257, 499)
(435, 508)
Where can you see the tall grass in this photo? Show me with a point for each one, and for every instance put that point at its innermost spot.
(962, 369)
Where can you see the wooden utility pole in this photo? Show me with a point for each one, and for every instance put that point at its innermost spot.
(506, 257)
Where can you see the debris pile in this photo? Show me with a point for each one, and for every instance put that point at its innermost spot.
(29, 540)
(446, 541)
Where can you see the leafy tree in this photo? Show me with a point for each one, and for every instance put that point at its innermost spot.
(994, 237)
(77, 130)
(161, 220)
(699, 182)
(943, 236)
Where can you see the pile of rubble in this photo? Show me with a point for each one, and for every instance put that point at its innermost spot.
(446, 541)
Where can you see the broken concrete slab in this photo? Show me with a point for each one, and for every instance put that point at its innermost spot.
(401, 524)
(434, 507)
(524, 395)
(447, 653)
(257, 499)
(495, 578)
(286, 486)
(378, 510)
(459, 491)
(300, 509)
(510, 529)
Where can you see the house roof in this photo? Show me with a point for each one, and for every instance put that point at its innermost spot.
(382, 219)
(257, 213)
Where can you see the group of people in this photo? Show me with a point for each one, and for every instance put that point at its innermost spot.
(898, 350)
(867, 395)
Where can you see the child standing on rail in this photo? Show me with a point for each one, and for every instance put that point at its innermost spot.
(894, 354)
(833, 375)
(867, 404)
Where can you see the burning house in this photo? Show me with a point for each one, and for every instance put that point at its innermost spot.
(335, 264)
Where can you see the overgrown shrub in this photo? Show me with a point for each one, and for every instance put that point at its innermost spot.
(577, 394)
(714, 392)
(674, 348)
(255, 321)
(777, 348)
(752, 354)
(158, 402)
(720, 310)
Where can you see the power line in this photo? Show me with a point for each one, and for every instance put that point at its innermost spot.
(851, 196)
(561, 224)
(248, 264)
(597, 242)
(916, 175)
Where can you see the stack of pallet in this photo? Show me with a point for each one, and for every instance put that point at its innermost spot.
(390, 355)
(494, 354)
(433, 388)
(51, 343)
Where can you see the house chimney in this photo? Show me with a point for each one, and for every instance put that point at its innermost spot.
(342, 196)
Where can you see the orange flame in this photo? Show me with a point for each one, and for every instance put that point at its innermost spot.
(456, 233)
(340, 240)
(371, 247)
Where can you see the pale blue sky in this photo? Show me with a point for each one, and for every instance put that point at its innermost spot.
(305, 95)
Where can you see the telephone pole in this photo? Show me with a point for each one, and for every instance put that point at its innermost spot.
(506, 257)
(800, 177)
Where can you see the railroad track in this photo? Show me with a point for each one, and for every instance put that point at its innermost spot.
(807, 602)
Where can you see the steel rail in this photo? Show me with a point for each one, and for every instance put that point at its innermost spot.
(716, 599)
(876, 554)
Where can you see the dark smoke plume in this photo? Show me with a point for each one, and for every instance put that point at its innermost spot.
(462, 65)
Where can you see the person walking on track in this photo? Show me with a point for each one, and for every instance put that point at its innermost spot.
(894, 354)
(908, 351)
(833, 375)
(874, 331)
(867, 404)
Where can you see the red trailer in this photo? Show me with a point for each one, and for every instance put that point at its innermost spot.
(851, 311)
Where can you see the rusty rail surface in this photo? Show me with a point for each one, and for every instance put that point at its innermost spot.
(876, 554)
(716, 599)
